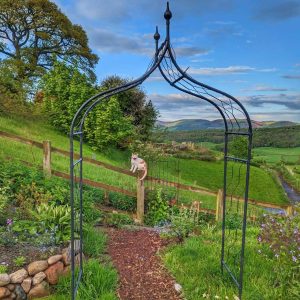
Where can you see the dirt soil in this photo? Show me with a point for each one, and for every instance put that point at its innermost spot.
(31, 253)
(142, 274)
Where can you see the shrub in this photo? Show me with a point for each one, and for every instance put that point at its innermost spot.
(4, 204)
(183, 223)
(117, 220)
(122, 202)
(157, 208)
(30, 196)
(233, 221)
(93, 195)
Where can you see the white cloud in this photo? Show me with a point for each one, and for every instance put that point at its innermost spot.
(265, 88)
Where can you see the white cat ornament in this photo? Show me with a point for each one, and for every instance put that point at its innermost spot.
(138, 164)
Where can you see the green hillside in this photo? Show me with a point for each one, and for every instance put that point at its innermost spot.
(208, 175)
(281, 137)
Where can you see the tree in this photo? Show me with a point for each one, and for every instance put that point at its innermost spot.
(63, 90)
(12, 91)
(32, 32)
(238, 147)
(134, 103)
(111, 127)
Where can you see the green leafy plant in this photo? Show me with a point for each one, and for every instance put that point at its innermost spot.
(280, 243)
(55, 219)
(29, 196)
(19, 261)
(3, 269)
(26, 228)
(183, 223)
(4, 201)
(117, 220)
(233, 221)
(122, 202)
(157, 209)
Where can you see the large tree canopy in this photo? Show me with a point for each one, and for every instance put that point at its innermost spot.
(32, 32)
(134, 103)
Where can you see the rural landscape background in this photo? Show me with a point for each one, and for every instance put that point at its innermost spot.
(49, 67)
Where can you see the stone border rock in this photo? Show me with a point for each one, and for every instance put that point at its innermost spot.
(34, 281)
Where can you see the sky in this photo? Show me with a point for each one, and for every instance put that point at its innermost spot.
(250, 49)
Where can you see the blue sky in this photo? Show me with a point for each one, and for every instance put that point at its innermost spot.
(250, 49)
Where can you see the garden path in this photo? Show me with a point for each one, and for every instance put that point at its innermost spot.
(142, 274)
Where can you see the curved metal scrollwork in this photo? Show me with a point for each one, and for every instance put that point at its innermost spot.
(236, 169)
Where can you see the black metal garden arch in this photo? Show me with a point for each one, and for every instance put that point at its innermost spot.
(236, 169)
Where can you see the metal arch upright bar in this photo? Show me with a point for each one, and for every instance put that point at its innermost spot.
(249, 136)
(97, 98)
(160, 54)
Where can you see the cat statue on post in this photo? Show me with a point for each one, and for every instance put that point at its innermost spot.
(138, 164)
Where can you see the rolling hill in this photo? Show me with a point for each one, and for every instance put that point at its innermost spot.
(198, 124)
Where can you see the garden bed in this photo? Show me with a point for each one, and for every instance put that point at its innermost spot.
(10, 254)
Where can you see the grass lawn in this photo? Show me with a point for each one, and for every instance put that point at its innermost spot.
(196, 266)
(208, 175)
(274, 155)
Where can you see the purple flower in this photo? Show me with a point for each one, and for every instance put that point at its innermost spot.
(294, 258)
(9, 222)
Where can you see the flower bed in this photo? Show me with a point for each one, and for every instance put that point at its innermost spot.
(34, 280)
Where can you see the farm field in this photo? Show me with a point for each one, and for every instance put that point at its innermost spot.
(274, 155)
(202, 174)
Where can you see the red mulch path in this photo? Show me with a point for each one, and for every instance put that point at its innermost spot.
(142, 275)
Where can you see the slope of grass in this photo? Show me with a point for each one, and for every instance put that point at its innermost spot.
(38, 130)
(203, 174)
(199, 257)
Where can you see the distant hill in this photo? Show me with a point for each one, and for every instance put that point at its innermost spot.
(198, 124)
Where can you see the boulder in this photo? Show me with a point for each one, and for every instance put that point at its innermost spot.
(38, 278)
(18, 276)
(11, 287)
(4, 279)
(4, 292)
(53, 272)
(66, 257)
(20, 293)
(37, 266)
(39, 291)
(12, 296)
(26, 284)
(54, 259)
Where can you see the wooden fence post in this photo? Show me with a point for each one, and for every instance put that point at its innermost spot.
(140, 207)
(290, 211)
(47, 157)
(219, 206)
